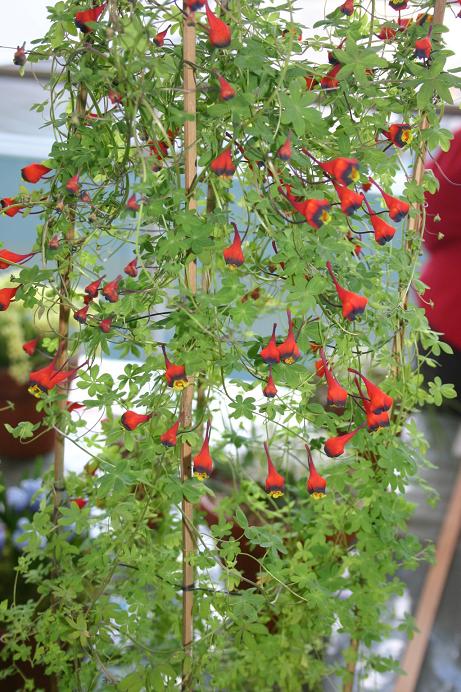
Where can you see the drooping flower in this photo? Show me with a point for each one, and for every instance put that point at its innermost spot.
(226, 91)
(219, 32)
(387, 33)
(316, 484)
(335, 446)
(233, 254)
(194, 5)
(344, 171)
(288, 350)
(350, 200)
(379, 400)
(270, 353)
(91, 15)
(347, 8)
(30, 347)
(384, 232)
(269, 389)
(80, 502)
(203, 463)
(7, 258)
(223, 165)
(352, 303)
(93, 288)
(398, 5)
(311, 82)
(43, 380)
(72, 185)
(8, 203)
(399, 134)
(423, 48)
(175, 375)
(397, 208)
(114, 97)
(330, 81)
(336, 395)
(110, 290)
(159, 39)
(284, 152)
(131, 268)
(73, 406)
(105, 325)
(81, 315)
(132, 204)
(34, 171)
(168, 438)
(6, 296)
(275, 482)
(20, 57)
(130, 419)
(374, 420)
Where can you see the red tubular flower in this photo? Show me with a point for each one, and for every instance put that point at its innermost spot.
(130, 419)
(30, 347)
(11, 208)
(288, 350)
(93, 288)
(34, 171)
(226, 92)
(131, 268)
(387, 33)
(399, 134)
(316, 484)
(317, 212)
(132, 204)
(270, 353)
(343, 170)
(384, 232)
(194, 5)
(72, 185)
(74, 406)
(423, 48)
(159, 39)
(336, 395)
(87, 299)
(6, 296)
(374, 420)
(352, 303)
(168, 438)
(319, 368)
(19, 57)
(203, 463)
(223, 165)
(110, 290)
(397, 208)
(91, 15)
(284, 152)
(275, 483)
(80, 502)
(114, 97)
(329, 81)
(105, 325)
(7, 258)
(82, 314)
(311, 82)
(347, 8)
(175, 375)
(233, 255)
(335, 446)
(219, 32)
(379, 400)
(404, 23)
(350, 200)
(43, 380)
(269, 389)
(398, 4)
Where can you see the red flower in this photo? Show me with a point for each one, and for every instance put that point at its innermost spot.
(386, 33)
(82, 314)
(423, 48)
(226, 92)
(223, 165)
(379, 400)
(159, 39)
(72, 185)
(288, 350)
(110, 290)
(91, 15)
(343, 170)
(398, 4)
(203, 463)
(270, 390)
(175, 375)
(30, 347)
(335, 446)
(316, 212)
(270, 353)
(85, 197)
(132, 204)
(11, 208)
(316, 484)
(6, 296)
(329, 81)
(275, 483)
(105, 325)
(347, 7)
(74, 406)
(284, 152)
(384, 232)
(114, 97)
(319, 368)
(399, 134)
(131, 268)
(350, 200)
(34, 171)
(374, 420)
(93, 288)
(311, 82)
(7, 258)
(87, 299)
(194, 5)
(54, 243)
(397, 208)
(44, 379)
(336, 395)
(233, 255)
(130, 419)
(219, 32)
(168, 438)
(20, 58)
(352, 303)
(80, 502)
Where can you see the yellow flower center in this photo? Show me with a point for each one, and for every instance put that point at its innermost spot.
(180, 384)
(407, 136)
(355, 175)
(318, 496)
(201, 475)
(325, 217)
(276, 493)
(35, 391)
(231, 266)
(289, 361)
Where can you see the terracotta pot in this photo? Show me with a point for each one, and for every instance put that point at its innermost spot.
(24, 410)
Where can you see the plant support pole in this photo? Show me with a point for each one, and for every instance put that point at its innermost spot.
(190, 172)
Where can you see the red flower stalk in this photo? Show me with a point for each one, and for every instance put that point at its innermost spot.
(203, 463)
(347, 8)
(130, 419)
(336, 395)
(7, 258)
(352, 303)
(399, 134)
(6, 296)
(105, 325)
(398, 4)
(223, 165)
(270, 353)
(92, 15)
(219, 32)
(275, 483)
(82, 314)
(397, 208)
(329, 81)
(316, 484)
(110, 290)
(34, 171)
(343, 170)
(30, 347)
(168, 438)
(284, 152)
(159, 39)
(350, 200)
(288, 350)
(233, 255)
(423, 48)
(19, 57)
(11, 208)
(93, 288)
(384, 232)
(72, 185)
(80, 502)
(175, 375)
(269, 389)
(131, 268)
(374, 420)
(335, 446)
(386, 33)
(43, 380)
(319, 368)
(132, 204)
(226, 92)
(379, 400)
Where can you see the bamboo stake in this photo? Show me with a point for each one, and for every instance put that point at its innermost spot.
(190, 170)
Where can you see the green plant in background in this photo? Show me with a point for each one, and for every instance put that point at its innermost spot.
(280, 226)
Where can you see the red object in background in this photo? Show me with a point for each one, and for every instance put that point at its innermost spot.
(442, 239)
